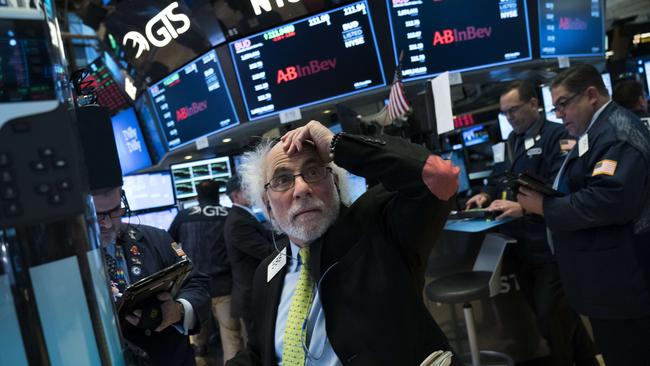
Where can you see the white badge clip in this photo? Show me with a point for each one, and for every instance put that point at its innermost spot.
(583, 145)
(276, 265)
(529, 142)
(499, 152)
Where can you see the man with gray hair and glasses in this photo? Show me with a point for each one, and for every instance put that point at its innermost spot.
(600, 226)
(348, 286)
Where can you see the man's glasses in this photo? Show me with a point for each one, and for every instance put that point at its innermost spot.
(115, 213)
(511, 111)
(561, 105)
(284, 182)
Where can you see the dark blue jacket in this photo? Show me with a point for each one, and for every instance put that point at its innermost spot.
(605, 266)
(544, 159)
(199, 229)
(147, 250)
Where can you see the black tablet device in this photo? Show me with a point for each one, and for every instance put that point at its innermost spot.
(529, 180)
(169, 280)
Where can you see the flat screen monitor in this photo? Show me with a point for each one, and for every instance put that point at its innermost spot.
(548, 105)
(186, 176)
(439, 36)
(329, 55)
(131, 147)
(150, 190)
(458, 159)
(160, 219)
(475, 135)
(151, 128)
(109, 92)
(571, 28)
(26, 71)
(504, 126)
(193, 101)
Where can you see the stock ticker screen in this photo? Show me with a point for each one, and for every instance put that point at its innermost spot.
(193, 101)
(329, 55)
(446, 35)
(26, 73)
(571, 28)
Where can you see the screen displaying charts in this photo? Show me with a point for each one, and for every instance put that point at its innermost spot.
(187, 176)
(571, 28)
(439, 36)
(328, 55)
(193, 101)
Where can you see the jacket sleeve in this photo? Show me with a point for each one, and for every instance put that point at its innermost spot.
(605, 199)
(245, 236)
(195, 288)
(405, 208)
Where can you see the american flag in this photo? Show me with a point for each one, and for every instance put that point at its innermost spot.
(398, 105)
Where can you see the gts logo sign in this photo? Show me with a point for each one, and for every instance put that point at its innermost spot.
(209, 211)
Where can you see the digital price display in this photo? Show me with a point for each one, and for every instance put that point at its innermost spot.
(329, 55)
(439, 36)
(571, 28)
(193, 101)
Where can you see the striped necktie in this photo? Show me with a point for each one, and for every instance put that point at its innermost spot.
(293, 353)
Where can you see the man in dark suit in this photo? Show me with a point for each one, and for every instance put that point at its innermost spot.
(534, 146)
(200, 230)
(248, 243)
(134, 252)
(600, 226)
(348, 287)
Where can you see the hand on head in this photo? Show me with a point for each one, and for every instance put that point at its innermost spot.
(313, 133)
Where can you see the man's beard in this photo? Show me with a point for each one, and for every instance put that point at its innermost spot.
(305, 229)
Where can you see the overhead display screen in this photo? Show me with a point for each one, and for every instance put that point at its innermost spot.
(329, 55)
(446, 35)
(571, 28)
(107, 88)
(193, 101)
(26, 73)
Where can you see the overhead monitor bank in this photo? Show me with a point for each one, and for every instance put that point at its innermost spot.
(439, 36)
(328, 55)
(193, 101)
(571, 28)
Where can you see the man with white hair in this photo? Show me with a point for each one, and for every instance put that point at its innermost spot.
(348, 287)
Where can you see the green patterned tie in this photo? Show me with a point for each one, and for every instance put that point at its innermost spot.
(293, 353)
